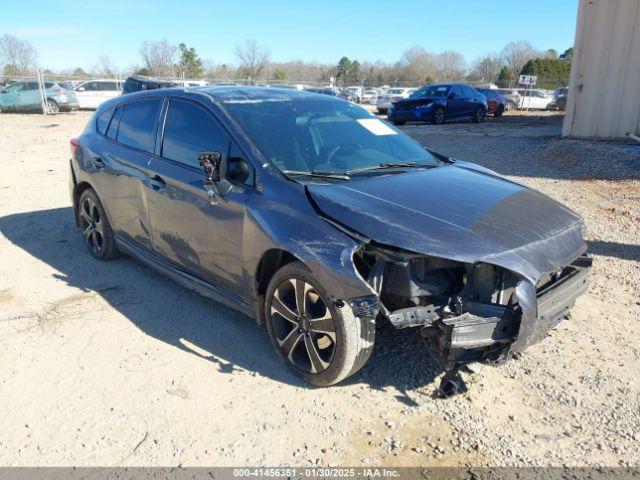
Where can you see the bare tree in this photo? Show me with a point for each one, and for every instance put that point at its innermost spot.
(486, 68)
(516, 54)
(218, 72)
(159, 57)
(253, 60)
(17, 57)
(450, 65)
(104, 67)
(416, 65)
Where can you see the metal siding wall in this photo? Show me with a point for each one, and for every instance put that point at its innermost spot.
(604, 99)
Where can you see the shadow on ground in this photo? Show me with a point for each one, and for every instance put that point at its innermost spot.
(622, 251)
(186, 320)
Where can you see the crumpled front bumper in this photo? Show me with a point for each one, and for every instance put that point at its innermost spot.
(490, 332)
(420, 113)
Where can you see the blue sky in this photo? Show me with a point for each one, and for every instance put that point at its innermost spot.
(70, 33)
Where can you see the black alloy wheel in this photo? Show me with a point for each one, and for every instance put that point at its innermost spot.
(95, 226)
(320, 340)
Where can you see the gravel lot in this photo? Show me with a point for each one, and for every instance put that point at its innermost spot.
(110, 363)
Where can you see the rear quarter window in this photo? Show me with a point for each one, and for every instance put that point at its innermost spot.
(137, 124)
(103, 119)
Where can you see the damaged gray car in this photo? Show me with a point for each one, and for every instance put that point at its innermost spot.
(322, 221)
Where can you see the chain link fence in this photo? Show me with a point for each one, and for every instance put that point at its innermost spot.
(52, 94)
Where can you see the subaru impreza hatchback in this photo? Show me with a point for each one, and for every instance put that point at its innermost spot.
(319, 220)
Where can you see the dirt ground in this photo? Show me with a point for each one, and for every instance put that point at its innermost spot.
(110, 363)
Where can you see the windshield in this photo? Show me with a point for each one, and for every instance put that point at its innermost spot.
(431, 91)
(308, 134)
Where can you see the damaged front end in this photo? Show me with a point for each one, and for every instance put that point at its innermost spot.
(472, 312)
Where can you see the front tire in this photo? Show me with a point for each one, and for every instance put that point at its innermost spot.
(52, 106)
(319, 341)
(440, 116)
(398, 123)
(95, 226)
(498, 113)
(478, 117)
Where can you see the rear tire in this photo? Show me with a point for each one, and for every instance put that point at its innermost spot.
(398, 123)
(324, 343)
(498, 113)
(95, 226)
(510, 106)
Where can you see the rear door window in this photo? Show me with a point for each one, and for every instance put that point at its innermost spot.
(109, 86)
(190, 129)
(468, 92)
(137, 124)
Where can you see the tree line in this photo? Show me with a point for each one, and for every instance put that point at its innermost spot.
(415, 66)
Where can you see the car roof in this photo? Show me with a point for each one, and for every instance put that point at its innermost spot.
(255, 94)
(228, 94)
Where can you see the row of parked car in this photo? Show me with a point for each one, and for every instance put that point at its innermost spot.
(24, 95)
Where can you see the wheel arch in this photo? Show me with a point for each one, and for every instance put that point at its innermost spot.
(271, 261)
(77, 191)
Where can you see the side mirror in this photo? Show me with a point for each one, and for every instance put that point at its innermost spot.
(215, 170)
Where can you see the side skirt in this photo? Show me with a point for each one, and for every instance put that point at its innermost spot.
(203, 288)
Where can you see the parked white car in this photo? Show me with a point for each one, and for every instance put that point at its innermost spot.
(535, 100)
(355, 91)
(191, 83)
(390, 96)
(93, 92)
(370, 96)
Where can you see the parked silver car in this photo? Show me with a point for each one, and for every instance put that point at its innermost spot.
(390, 96)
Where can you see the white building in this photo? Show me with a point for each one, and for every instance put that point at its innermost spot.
(604, 96)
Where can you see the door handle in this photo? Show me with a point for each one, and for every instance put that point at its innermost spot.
(157, 183)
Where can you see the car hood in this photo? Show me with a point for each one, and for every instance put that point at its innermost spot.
(457, 211)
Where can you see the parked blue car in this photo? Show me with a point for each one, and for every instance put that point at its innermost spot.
(24, 96)
(439, 103)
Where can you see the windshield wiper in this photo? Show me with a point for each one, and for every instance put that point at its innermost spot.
(318, 174)
(389, 165)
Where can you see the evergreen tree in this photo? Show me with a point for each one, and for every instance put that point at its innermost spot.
(190, 64)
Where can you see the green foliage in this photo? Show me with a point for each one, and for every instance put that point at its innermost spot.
(348, 72)
(552, 72)
(190, 65)
(505, 78)
(143, 71)
(279, 75)
(567, 54)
